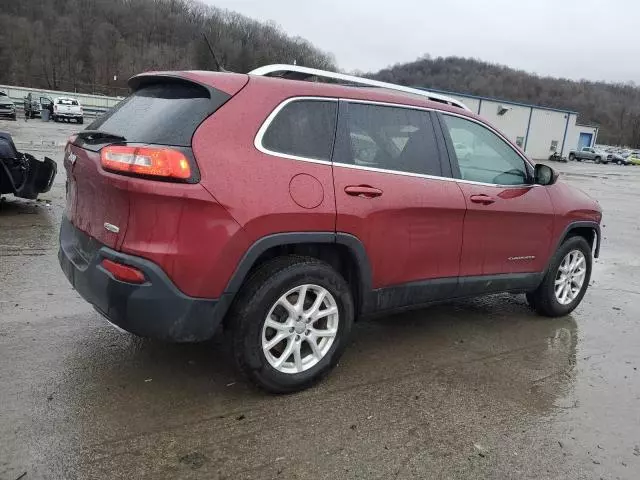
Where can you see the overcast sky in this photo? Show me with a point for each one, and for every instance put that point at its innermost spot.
(591, 39)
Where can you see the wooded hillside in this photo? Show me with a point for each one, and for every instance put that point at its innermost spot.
(615, 107)
(80, 45)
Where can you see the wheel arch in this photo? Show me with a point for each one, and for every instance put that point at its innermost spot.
(342, 251)
(590, 231)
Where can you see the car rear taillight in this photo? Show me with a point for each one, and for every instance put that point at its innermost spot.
(123, 272)
(156, 162)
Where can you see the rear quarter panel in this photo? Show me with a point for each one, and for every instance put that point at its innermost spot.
(253, 186)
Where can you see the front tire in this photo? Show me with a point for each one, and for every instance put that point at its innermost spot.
(291, 323)
(566, 281)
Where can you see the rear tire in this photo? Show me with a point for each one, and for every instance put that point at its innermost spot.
(572, 157)
(263, 298)
(80, 121)
(544, 299)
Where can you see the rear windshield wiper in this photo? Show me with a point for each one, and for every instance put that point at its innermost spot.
(92, 135)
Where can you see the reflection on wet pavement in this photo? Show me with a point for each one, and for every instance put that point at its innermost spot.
(471, 389)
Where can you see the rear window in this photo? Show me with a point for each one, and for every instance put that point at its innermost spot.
(66, 101)
(303, 128)
(162, 114)
(391, 138)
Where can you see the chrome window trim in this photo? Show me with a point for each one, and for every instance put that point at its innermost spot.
(267, 122)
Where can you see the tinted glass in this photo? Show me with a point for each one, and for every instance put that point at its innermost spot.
(304, 128)
(164, 114)
(391, 138)
(483, 156)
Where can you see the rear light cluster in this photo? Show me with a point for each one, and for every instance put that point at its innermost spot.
(155, 162)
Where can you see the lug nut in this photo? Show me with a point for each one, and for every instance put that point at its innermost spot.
(307, 332)
(298, 337)
(291, 330)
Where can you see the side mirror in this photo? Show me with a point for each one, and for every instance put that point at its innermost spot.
(545, 175)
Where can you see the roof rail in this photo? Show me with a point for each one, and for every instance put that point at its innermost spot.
(296, 72)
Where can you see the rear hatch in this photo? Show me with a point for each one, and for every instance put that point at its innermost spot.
(162, 113)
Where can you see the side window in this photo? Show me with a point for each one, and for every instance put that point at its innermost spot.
(304, 128)
(390, 138)
(483, 156)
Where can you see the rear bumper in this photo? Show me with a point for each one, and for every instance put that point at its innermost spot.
(155, 309)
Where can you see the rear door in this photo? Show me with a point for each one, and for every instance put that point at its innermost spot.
(395, 194)
(509, 220)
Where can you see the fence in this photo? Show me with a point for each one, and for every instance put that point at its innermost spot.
(92, 104)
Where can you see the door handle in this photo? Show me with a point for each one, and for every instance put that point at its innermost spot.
(482, 199)
(363, 191)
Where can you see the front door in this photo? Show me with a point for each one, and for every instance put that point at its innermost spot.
(395, 194)
(509, 221)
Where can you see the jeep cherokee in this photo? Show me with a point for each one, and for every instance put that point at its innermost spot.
(285, 209)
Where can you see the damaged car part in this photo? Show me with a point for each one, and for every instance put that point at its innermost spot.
(22, 174)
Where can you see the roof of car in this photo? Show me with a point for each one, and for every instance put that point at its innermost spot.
(291, 88)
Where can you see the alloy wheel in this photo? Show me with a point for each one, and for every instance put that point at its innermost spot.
(300, 328)
(570, 277)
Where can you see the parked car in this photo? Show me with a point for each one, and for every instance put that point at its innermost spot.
(34, 103)
(7, 107)
(633, 158)
(22, 174)
(588, 153)
(208, 199)
(617, 158)
(65, 108)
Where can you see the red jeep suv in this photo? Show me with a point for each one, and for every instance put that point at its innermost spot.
(285, 209)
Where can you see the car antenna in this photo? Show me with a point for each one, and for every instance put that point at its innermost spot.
(219, 68)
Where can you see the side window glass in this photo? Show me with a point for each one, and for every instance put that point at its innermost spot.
(483, 156)
(391, 138)
(303, 128)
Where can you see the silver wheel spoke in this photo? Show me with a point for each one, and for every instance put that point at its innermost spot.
(302, 294)
(276, 325)
(275, 341)
(291, 309)
(285, 354)
(570, 277)
(324, 313)
(324, 333)
(297, 358)
(314, 348)
(316, 305)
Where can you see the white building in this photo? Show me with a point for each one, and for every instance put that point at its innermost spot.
(539, 131)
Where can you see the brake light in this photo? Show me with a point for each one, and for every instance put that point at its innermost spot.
(123, 272)
(157, 162)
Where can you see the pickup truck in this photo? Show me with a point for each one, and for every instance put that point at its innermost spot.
(65, 108)
(588, 153)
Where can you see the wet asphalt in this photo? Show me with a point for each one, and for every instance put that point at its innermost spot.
(470, 389)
